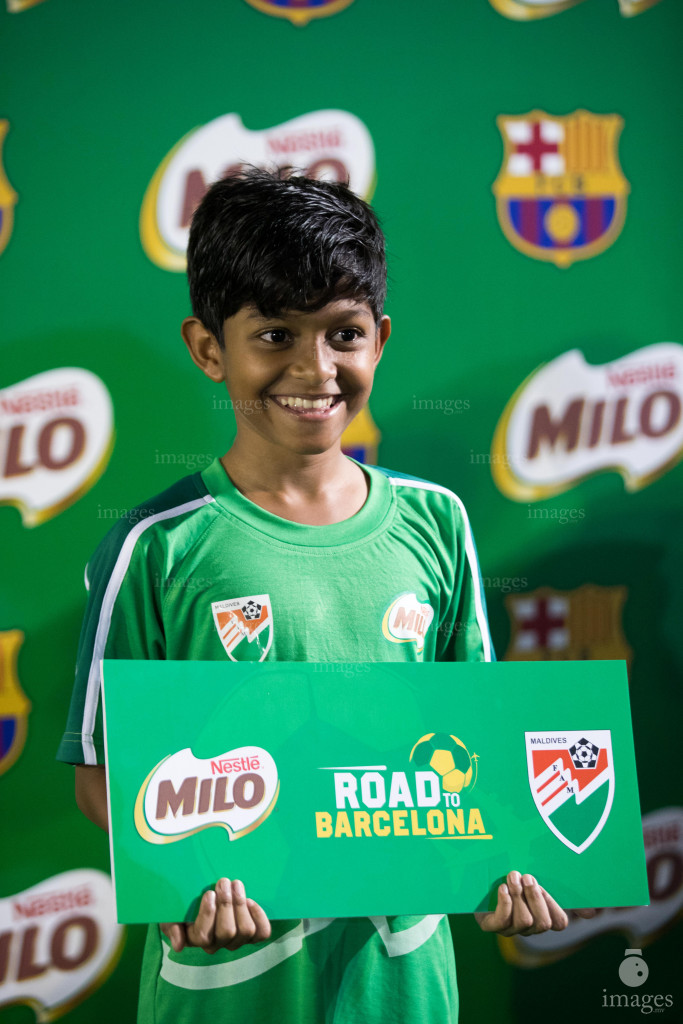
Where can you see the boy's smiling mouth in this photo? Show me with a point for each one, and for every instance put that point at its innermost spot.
(313, 407)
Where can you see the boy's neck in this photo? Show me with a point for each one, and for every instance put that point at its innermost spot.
(315, 490)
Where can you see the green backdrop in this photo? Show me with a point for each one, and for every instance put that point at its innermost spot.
(94, 97)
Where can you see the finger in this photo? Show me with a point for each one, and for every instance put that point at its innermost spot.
(586, 911)
(536, 902)
(522, 918)
(226, 929)
(175, 933)
(244, 925)
(500, 919)
(201, 931)
(557, 915)
(260, 919)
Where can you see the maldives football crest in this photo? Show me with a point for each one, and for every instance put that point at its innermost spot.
(561, 194)
(245, 626)
(299, 12)
(571, 775)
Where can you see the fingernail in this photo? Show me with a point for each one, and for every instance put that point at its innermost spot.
(528, 881)
(223, 888)
(505, 891)
(210, 897)
(515, 877)
(238, 887)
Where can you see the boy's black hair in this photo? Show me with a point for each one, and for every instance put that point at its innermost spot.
(282, 242)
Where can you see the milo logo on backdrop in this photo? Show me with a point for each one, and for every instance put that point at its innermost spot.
(56, 436)
(640, 925)
(59, 940)
(328, 144)
(529, 10)
(184, 794)
(432, 798)
(569, 420)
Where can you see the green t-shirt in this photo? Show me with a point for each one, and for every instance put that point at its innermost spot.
(201, 573)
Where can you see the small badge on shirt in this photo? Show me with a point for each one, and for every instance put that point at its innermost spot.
(245, 626)
(407, 619)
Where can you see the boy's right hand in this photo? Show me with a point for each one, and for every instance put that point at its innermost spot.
(226, 920)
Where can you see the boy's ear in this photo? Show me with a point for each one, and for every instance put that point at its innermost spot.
(383, 332)
(203, 347)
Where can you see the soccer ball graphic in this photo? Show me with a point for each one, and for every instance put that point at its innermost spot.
(251, 610)
(584, 754)
(449, 758)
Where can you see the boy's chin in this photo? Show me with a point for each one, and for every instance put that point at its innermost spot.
(318, 449)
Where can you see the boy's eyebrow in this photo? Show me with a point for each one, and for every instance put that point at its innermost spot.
(350, 311)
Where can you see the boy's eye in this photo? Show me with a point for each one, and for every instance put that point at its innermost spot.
(347, 334)
(277, 335)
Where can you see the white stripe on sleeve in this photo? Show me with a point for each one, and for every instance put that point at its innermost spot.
(92, 695)
(469, 550)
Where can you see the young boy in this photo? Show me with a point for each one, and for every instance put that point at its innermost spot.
(287, 281)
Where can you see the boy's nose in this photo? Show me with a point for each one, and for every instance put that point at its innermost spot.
(313, 363)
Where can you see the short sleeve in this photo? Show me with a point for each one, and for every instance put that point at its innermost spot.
(122, 620)
(465, 629)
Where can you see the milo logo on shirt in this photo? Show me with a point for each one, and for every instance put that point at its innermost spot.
(184, 794)
(407, 620)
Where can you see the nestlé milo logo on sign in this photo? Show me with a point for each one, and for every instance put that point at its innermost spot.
(184, 794)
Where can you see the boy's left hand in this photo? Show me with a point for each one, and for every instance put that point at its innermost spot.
(226, 919)
(525, 908)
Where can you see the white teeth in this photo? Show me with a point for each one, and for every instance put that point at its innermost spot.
(294, 402)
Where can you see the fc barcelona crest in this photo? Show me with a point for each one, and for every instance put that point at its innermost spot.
(14, 704)
(8, 196)
(567, 625)
(561, 194)
(300, 12)
(245, 626)
(571, 775)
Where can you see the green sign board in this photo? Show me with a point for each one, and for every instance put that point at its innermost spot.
(327, 787)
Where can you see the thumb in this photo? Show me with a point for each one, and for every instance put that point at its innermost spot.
(501, 917)
(175, 933)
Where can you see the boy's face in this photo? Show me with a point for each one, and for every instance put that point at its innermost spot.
(296, 380)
